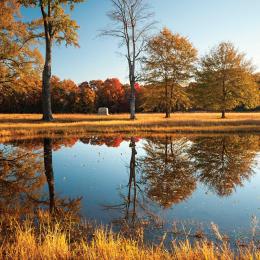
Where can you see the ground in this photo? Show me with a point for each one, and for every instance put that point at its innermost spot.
(69, 124)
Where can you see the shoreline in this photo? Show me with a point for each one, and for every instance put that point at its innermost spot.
(20, 125)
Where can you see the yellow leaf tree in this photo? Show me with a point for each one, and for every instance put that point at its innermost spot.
(19, 56)
(168, 64)
(225, 80)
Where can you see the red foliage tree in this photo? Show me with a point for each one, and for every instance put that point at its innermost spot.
(111, 95)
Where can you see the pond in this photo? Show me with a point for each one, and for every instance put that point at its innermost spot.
(172, 185)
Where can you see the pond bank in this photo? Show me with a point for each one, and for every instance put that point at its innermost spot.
(76, 124)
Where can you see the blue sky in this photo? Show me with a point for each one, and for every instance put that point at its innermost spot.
(204, 22)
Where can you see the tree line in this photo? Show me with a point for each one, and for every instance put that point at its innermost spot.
(165, 72)
(68, 97)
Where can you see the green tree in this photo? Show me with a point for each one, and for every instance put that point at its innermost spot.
(225, 80)
(168, 64)
(58, 27)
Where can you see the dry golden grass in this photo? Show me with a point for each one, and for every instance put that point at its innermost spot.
(55, 242)
(30, 124)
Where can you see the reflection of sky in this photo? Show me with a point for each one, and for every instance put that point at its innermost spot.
(98, 172)
(94, 172)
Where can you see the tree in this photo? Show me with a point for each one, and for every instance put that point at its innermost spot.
(25, 171)
(224, 162)
(65, 95)
(87, 98)
(132, 23)
(22, 94)
(225, 80)
(257, 79)
(19, 58)
(21, 179)
(111, 95)
(168, 64)
(58, 27)
(15, 49)
(153, 99)
(167, 171)
(124, 107)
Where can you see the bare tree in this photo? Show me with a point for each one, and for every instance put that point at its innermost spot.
(132, 22)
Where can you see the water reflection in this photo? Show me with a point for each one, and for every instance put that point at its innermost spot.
(63, 206)
(167, 170)
(130, 202)
(224, 162)
(25, 169)
(20, 180)
(132, 185)
(163, 172)
(48, 169)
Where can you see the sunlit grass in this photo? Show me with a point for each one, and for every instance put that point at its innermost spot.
(25, 124)
(53, 240)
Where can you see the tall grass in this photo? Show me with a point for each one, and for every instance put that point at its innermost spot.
(50, 239)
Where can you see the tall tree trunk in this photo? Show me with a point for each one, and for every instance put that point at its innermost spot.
(224, 93)
(132, 101)
(167, 107)
(132, 89)
(46, 87)
(223, 114)
(168, 111)
(49, 172)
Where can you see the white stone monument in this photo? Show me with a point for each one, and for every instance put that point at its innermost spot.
(103, 111)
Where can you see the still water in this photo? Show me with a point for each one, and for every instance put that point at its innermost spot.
(174, 185)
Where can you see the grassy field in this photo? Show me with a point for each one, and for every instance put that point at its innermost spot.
(58, 240)
(65, 124)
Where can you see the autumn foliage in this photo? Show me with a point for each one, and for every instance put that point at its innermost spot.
(173, 79)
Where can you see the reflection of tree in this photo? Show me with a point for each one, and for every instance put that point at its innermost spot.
(22, 177)
(58, 143)
(36, 144)
(109, 141)
(57, 204)
(167, 171)
(132, 185)
(170, 168)
(224, 162)
(129, 205)
(134, 209)
(48, 169)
